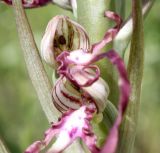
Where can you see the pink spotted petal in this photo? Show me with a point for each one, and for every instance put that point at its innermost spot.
(30, 3)
(110, 34)
(72, 125)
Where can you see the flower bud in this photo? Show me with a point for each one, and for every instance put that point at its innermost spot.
(62, 34)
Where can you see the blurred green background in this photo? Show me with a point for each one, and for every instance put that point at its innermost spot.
(21, 118)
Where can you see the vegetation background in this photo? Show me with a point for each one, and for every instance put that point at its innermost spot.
(21, 118)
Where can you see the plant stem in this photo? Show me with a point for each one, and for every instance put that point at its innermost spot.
(91, 16)
(135, 73)
(33, 61)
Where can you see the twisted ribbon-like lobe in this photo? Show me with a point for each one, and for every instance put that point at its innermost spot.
(110, 34)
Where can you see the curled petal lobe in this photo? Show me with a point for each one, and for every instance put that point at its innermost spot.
(62, 34)
(80, 75)
(83, 76)
(30, 3)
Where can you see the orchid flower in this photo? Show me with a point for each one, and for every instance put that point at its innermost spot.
(80, 93)
(30, 3)
(67, 4)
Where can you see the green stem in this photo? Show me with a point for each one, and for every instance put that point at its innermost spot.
(91, 16)
(135, 73)
(34, 64)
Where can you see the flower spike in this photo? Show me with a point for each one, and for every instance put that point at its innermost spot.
(79, 92)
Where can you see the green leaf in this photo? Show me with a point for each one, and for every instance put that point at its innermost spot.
(33, 61)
